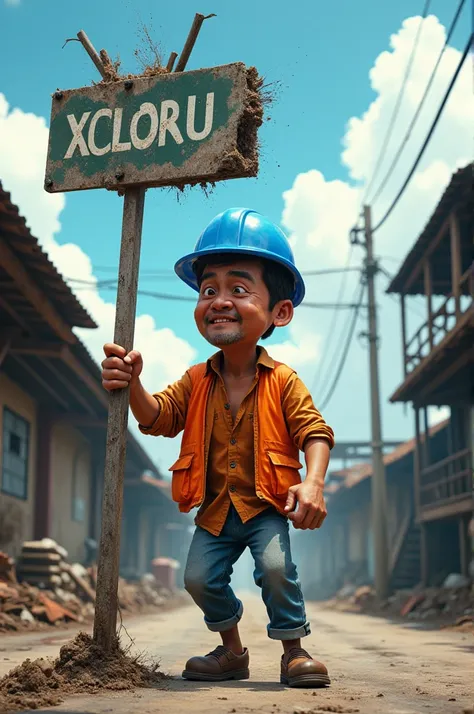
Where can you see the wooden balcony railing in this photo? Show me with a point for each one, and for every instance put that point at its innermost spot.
(435, 329)
(447, 481)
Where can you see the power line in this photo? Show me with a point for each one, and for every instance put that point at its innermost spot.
(184, 298)
(345, 351)
(428, 138)
(420, 105)
(171, 274)
(332, 324)
(329, 271)
(398, 103)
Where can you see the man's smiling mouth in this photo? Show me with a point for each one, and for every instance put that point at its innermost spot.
(221, 320)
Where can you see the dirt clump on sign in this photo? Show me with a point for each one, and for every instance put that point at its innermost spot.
(82, 667)
(149, 56)
(245, 157)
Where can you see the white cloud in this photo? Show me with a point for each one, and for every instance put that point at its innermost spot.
(299, 350)
(438, 414)
(23, 147)
(318, 212)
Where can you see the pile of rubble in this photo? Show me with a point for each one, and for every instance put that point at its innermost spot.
(43, 589)
(452, 604)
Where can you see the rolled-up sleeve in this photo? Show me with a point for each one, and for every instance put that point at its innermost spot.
(173, 404)
(303, 420)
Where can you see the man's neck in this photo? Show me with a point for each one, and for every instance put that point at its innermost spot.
(239, 361)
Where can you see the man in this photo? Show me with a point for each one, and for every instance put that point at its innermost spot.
(245, 417)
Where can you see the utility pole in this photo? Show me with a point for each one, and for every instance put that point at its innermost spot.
(379, 488)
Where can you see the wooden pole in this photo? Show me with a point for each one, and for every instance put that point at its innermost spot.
(429, 300)
(171, 61)
(378, 481)
(463, 553)
(455, 261)
(109, 549)
(404, 333)
(417, 463)
(191, 40)
(91, 51)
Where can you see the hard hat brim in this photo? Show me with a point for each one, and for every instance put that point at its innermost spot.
(184, 267)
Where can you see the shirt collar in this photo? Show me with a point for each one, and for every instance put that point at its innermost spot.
(263, 360)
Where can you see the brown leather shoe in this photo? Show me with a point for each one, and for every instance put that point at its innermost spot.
(299, 669)
(218, 666)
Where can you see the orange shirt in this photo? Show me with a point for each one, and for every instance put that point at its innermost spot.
(230, 474)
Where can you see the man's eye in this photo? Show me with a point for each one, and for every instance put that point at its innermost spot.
(239, 290)
(209, 292)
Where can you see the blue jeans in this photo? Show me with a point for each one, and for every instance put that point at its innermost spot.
(209, 567)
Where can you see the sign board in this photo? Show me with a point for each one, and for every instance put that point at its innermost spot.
(164, 130)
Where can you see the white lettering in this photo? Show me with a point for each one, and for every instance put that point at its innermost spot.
(191, 118)
(94, 149)
(168, 122)
(116, 144)
(77, 138)
(145, 109)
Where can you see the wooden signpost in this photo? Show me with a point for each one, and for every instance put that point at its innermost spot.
(130, 134)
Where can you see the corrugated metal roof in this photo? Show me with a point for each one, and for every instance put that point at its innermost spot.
(15, 231)
(459, 194)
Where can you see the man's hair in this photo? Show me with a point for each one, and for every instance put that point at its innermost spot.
(279, 281)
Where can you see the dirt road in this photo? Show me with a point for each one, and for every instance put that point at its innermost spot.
(376, 667)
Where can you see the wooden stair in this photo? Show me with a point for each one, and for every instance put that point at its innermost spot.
(406, 572)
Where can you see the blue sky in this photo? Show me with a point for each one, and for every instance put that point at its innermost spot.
(319, 55)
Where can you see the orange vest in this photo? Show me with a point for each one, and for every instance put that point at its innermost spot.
(276, 456)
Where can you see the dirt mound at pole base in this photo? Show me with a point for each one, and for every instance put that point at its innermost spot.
(82, 667)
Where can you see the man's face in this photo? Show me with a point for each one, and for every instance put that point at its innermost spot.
(233, 304)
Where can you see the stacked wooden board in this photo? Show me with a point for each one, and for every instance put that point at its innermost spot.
(41, 563)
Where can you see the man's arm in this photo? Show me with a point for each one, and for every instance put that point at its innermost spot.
(144, 406)
(162, 414)
(312, 435)
(309, 495)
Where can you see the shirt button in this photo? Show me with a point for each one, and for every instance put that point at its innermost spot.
(233, 464)
(233, 441)
(227, 406)
(232, 488)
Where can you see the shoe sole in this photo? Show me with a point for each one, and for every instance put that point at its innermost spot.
(306, 680)
(226, 676)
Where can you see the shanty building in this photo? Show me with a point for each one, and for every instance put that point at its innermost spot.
(438, 371)
(342, 552)
(53, 418)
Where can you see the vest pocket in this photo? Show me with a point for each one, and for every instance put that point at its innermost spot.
(180, 485)
(285, 472)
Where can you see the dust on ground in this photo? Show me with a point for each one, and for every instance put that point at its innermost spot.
(82, 667)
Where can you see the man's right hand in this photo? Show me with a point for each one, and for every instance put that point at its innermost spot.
(120, 369)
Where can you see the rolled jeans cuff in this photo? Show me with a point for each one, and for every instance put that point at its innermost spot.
(226, 624)
(294, 634)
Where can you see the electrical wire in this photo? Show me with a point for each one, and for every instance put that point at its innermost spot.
(345, 350)
(332, 324)
(398, 103)
(329, 271)
(420, 105)
(171, 274)
(428, 137)
(184, 298)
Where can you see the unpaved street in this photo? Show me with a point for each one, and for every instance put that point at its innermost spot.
(376, 667)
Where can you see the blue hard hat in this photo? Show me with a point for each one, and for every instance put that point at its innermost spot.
(243, 232)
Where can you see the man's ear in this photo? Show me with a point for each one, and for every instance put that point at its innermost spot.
(283, 313)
